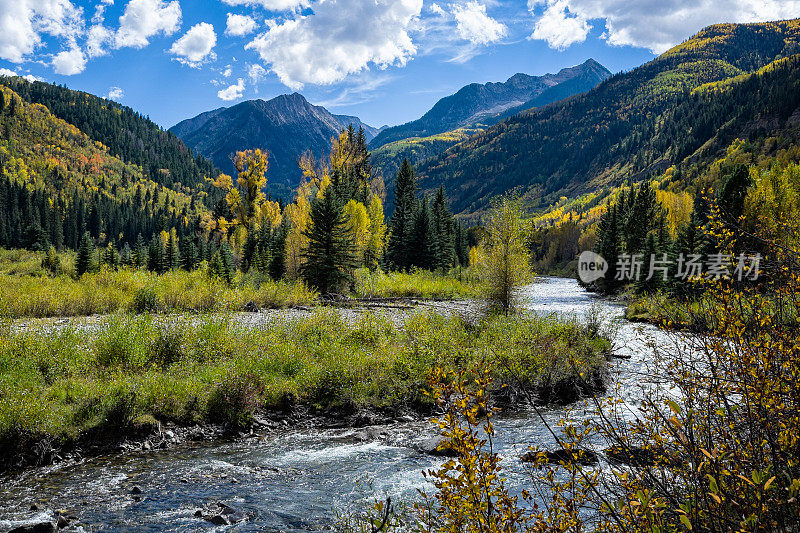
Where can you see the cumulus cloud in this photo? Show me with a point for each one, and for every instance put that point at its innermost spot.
(270, 5)
(7, 72)
(22, 23)
(115, 93)
(559, 27)
(475, 26)
(239, 25)
(256, 73)
(144, 19)
(233, 92)
(653, 24)
(69, 62)
(341, 37)
(195, 45)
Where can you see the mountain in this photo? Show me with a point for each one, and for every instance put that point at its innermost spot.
(683, 108)
(287, 126)
(56, 182)
(132, 137)
(487, 103)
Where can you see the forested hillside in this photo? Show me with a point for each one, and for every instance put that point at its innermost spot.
(633, 125)
(133, 138)
(57, 183)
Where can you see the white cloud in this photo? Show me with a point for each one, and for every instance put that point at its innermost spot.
(653, 24)
(115, 93)
(97, 38)
(7, 72)
(195, 45)
(233, 92)
(475, 26)
(340, 38)
(256, 73)
(69, 62)
(143, 19)
(22, 22)
(270, 5)
(436, 9)
(239, 25)
(227, 72)
(559, 28)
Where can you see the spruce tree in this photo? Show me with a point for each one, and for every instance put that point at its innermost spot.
(126, 256)
(140, 253)
(423, 242)
(155, 256)
(405, 206)
(189, 256)
(221, 264)
(172, 254)
(330, 255)
(443, 233)
(85, 257)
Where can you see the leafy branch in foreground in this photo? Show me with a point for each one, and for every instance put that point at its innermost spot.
(471, 493)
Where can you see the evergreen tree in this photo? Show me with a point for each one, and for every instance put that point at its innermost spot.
(398, 250)
(221, 264)
(155, 256)
(330, 255)
(189, 256)
(126, 256)
(443, 233)
(172, 254)
(111, 257)
(85, 257)
(140, 253)
(423, 243)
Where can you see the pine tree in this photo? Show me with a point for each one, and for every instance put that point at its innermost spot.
(330, 255)
(155, 256)
(126, 256)
(221, 264)
(85, 257)
(443, 233)
(111, 257)
(398, 250)
(172, 254)
(422, 240)
(140, 253)
(189, 256)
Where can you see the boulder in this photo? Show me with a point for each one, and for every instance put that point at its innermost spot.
(562, 456)
(436, 446)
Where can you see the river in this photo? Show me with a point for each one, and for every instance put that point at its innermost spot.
(297, 480)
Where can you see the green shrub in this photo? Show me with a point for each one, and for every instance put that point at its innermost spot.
(145, 300)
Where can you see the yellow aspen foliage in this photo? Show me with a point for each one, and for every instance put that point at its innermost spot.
(246, 197)
(377, 233)
(358, 223)
(678, 207)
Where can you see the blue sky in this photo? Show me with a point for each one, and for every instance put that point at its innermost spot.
(386, 61)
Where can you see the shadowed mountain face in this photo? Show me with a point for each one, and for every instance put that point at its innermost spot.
(287, 126)
(488, 103)
(684, 107)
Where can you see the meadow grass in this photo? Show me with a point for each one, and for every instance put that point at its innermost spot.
(459, 283)
(139, 291)
(61, 384)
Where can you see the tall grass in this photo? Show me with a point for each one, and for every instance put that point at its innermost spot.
(61, 384)
(138, 291)
(459, 283)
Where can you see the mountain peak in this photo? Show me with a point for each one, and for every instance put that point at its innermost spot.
(475, 103)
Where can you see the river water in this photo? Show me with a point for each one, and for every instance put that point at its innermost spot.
(298, 480)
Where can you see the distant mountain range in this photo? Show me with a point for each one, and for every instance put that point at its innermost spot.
(286, 125)
(683, 109)
(490, 102)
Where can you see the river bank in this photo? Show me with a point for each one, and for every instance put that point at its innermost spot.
(86, 388)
